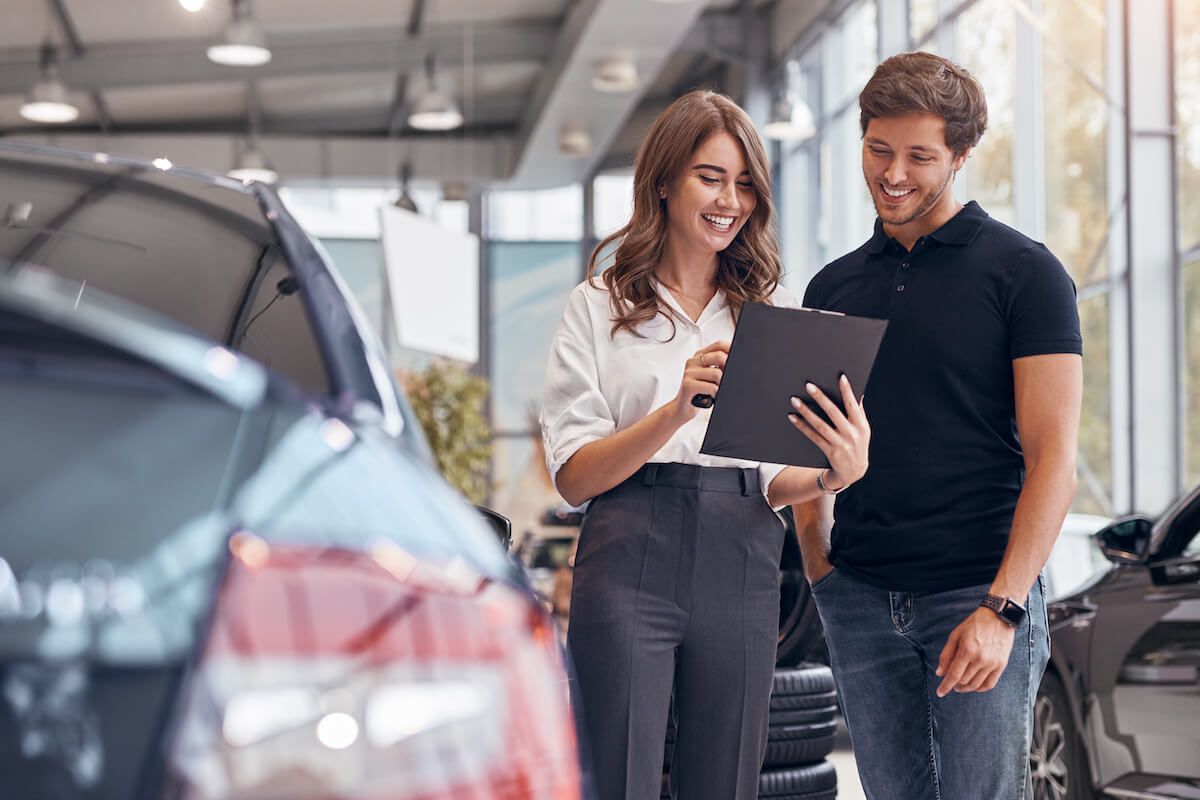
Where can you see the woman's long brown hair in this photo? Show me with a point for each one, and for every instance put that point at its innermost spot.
(747, 271)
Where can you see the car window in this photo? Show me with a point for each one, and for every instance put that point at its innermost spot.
(200, 254)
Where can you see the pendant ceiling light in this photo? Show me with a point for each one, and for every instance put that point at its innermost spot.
(791, 118)
(48, 100)
(405, 200)
(435, 109)
(243, 44)
(254, 166)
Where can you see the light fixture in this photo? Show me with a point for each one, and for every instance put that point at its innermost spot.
(405, 200)
(791, 121)
(617, 74)
(791, 118)
(243, 44)
(48, 100)
(574, 140)
(192, 5)
(254, 166)
(435, 110)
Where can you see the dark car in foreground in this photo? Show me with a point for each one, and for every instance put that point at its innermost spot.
(1118, 712)
(227, 566)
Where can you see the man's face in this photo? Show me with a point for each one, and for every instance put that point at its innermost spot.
(908, 166)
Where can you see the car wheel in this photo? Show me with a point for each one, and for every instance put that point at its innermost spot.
(1056, 759)
(800, 635)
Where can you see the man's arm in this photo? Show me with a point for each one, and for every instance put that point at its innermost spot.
(1048, 391)
(814, 522)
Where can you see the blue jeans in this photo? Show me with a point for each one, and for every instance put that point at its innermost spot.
(909, 743)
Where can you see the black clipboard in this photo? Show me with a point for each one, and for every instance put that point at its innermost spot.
(774, 352)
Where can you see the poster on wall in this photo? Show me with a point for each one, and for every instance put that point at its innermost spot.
(433, 275)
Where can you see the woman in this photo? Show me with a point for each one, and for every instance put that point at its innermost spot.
(676, 577)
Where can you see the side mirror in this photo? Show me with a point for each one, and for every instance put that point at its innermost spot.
(1126, 541)
(500, 525)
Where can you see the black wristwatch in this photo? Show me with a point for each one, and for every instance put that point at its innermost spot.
(1006, 609)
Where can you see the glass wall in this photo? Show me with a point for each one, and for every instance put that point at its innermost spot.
(1187, 109)
(822, 213)
(534, 259)
(1044, 164)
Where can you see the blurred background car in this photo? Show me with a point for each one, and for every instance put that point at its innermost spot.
(1116, 713)
(227, 566)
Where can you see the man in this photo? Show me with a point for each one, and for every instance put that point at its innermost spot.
(930, 593)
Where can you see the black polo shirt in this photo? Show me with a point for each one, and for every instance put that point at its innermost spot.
(935, 508)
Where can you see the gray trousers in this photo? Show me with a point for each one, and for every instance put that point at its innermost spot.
(676, 587)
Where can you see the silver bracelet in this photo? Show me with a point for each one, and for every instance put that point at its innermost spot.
(821, 484)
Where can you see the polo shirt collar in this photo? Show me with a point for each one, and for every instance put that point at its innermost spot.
(958, 230)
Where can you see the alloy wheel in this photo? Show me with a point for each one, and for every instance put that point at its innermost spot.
(1047, 761)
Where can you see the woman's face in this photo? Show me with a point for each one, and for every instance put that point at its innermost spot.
(711, 199)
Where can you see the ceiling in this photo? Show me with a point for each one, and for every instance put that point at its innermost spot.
(333, 102)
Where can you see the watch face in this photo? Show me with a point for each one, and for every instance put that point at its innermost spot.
(1013, 612)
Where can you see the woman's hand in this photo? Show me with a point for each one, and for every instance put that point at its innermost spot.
(846, 442)
(701, 375)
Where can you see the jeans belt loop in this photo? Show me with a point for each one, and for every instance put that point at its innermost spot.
(649, 474)
(744, 479)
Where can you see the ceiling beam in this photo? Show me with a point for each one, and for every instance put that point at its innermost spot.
(491, 113)
(70, 35)
(293, 55)
(594, 30)
(397, 113)
(346, 160)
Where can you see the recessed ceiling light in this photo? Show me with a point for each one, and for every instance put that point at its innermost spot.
(615, 75)
(162, 163)
(574, 140)
(192, 5)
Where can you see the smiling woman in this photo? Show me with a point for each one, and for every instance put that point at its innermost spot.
(676, 583)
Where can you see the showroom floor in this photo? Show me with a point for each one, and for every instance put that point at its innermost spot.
(842, 759)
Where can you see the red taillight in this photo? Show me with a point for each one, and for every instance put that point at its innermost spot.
(350, 674)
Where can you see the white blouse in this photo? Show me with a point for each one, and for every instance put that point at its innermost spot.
(598, 384)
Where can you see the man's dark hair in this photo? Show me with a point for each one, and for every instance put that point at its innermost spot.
(922, 82)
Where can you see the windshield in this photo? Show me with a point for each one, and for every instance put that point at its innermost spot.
(198, 253)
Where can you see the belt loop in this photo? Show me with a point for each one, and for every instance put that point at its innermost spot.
(744, 479)
(649, 474)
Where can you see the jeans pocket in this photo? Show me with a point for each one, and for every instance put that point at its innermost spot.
(812, 587)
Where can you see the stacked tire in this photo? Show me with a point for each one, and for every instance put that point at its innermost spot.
(802, 728)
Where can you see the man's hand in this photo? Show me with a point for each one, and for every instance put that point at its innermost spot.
(976, 654)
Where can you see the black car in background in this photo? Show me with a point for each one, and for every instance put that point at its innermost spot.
(1118, 713)
(228, 567)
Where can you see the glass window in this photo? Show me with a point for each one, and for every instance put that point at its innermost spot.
(530, 284)
(1187, 111)
(1094, 494)
(985, 44)
(860, 48)
(536, 216)
(1191, 370)
(922, 18)
(612, 202)
(1076, 128)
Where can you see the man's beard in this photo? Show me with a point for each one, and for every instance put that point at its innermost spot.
(922, 209)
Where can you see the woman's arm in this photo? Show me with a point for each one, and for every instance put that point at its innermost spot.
(602, 464)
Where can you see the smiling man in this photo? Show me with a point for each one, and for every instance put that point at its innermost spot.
(930, 592)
